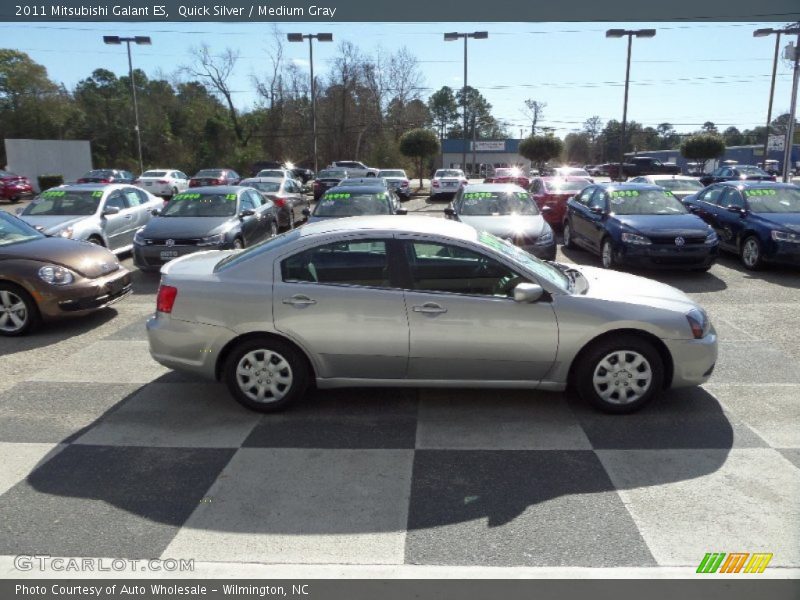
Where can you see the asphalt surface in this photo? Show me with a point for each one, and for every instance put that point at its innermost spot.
(108, 454)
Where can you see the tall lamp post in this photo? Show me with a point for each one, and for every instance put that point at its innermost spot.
(630, 34)
(320, 37)
(138, 40)
(452, 37)
(764, 33)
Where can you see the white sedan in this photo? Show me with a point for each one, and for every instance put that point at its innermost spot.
(163, 182)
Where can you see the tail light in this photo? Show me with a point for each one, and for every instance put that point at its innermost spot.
(81, 180)
(280, 202)
(104, 181)
(166, 298)
(404, 184)
(161, 181)
(192, 183)
(316, 183)
(138, 181)
(435, 183)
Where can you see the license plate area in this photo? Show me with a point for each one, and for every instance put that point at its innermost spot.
(168, 254)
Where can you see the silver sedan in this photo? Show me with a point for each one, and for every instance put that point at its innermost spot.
(382, 301)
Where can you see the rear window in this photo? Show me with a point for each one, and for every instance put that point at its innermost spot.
(154, 174)
(271, 173)
(391, 174)
(209, 173)
(558, 187)
(679, 184)
(263, 186)
(332, 173)
(100, 173)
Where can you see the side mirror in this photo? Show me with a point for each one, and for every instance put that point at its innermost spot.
(306, 212)
(247, 212)
(449, 212)
(110, 210)
(155, 212)
(401, 211)
(546, 208)
(527, 292)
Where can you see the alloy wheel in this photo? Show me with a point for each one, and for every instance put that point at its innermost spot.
(13, 312)
(750, 253)
(607, 255)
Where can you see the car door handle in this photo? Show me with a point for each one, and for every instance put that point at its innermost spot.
(127, 216)
(299, 300)
(429, 308)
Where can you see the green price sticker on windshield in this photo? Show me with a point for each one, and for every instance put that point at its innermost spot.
(230, 197)
(476, 195)
(760, 192)
(337, 196)
(187, 197)
(54, 194)
(624, 193)
(97, 194)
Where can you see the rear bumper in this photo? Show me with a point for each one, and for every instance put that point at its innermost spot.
(186, 346)
(693, 360)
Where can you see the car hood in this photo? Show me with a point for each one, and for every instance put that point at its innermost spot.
(790, 221)
(664, 224)
(89, 260)
(186, 227)
(503, 226)
(53, 224)
(631, 289)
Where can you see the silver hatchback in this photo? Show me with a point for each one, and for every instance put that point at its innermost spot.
(382, 301)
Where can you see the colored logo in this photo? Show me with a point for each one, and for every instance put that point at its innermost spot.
(734, 562)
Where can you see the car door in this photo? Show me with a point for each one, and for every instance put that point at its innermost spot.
(292, 198)
(596, 219)
(705, 204)
(252, 226)
(464, 323)
(579, 215)
(263, 213)
(729, 225)
(315, 295)
(139, 205)
(119, 227)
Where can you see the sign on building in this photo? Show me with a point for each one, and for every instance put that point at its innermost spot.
(488, 146)
(776, 142)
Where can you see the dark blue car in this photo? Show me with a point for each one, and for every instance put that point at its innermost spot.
(638, 225)
(758, 220)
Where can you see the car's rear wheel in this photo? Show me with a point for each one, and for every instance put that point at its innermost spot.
(291, 219)
(238, 244)
(751, 253)
(18, 311)
(273, 229)
(567, 233)
(619, 375)
(266, 375)
(96, 240)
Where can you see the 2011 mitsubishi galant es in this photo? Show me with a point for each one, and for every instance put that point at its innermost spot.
(422, 302)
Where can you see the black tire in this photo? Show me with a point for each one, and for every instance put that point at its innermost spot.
(591, 361)
(31, 318)
(173, 192)
(93, 239)
(371, 175)
(238, 243)
(298, 373)
(273, 229)
(569, 243)
(751, 253)
(15, 200)
(291, 219)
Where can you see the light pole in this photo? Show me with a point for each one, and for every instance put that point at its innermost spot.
(320, 37)
(630, 34)
(764, 33)
(138, 40)
(787, 146)
(451, 37)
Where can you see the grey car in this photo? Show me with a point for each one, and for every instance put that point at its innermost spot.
(507, 211)
(286, 194)
(214, 217)
(382, 301)
(356, 200)
(108, 215)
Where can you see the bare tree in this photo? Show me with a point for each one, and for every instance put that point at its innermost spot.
(270, 87)
(534, 111)
(216, 70)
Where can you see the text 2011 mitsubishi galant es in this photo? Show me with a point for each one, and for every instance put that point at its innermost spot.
(382, 301)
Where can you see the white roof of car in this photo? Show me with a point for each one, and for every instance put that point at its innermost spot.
(398, 223)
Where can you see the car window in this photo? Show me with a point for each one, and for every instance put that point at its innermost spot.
(727, 172)
(712, 195)
(536, 188)
(598, 199)
(258, 199)
(132, 197)
(354, 262)
(496, 203)
(774, 200)
(246, 202)
(731, 197)
(586, 195)
(351, 204)
(452, 269)
(56, 202)
(117, 200)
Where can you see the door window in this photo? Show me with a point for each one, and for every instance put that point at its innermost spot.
(731, 197)
(598, 199)
(712, 195)
(132, 197)
(247, 202)
(585, 195)
(537, 186)
(354, 262)
(117, 200)
(447, 268)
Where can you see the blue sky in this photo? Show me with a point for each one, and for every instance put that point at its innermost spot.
(687, 74)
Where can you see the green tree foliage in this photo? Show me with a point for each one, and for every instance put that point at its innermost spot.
(703, 147)
(419, 144)
(541, 148)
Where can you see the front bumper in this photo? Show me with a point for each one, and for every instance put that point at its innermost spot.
(693, 360)
(785, 253)
(663, 256)
(84, 297)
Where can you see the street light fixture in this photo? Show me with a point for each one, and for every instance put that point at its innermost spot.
(630, 34)
(139, 40)
(452, 37)
(320, 37)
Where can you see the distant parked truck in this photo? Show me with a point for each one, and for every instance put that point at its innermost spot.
(642, 165)
(354, 168)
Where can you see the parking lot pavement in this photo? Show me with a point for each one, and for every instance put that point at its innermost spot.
(107, 454)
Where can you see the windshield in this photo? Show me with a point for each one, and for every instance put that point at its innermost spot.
(391, 174)
(572, 171)
(645, 202)
(352, 204)
(773, 200)
(679, 184)
(562, 186)
(209, 173)
(264, 186)
(13, 230)
(537, 266)
(64, 202)
(193, 204)
(486, 204)
(332, 173)
(508, 173)
(271, 173)
(747, 170)
(447, 173)
(154, 173)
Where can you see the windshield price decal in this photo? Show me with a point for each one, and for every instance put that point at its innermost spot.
(337, 196)
(476, 195)
(760, 192)
(620, 193)
(54, 194)
(97, 194)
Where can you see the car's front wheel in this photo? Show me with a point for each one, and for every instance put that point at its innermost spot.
(567, 233)
(266, 375)
(619, 375)
(607, 254)
(18, 311)
(752, 254)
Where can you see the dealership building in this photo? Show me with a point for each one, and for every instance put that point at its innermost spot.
(497, 153)
(743, 155)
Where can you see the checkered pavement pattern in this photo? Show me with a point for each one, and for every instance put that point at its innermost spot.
(107, 454)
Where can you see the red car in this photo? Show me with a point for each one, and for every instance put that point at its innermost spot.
(509, 175)
(215, 177)
(554, 192)
(13, 187)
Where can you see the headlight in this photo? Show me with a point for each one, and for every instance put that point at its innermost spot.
(56, 275)
(66, 233)
(212, 240)
(546, 237)
(699, 322)
(712, 238)
(632, 238)
(785, 236)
